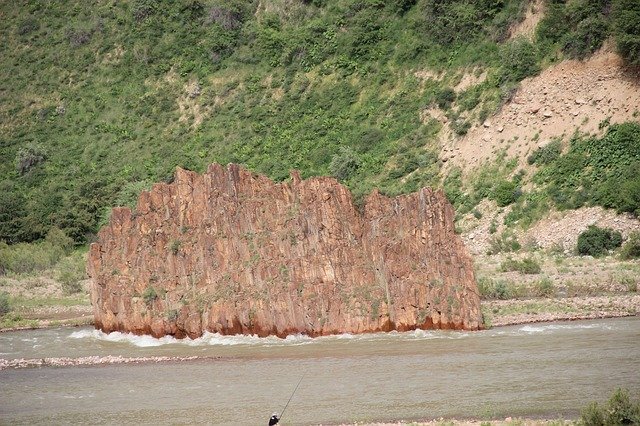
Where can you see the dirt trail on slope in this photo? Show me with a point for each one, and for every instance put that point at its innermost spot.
(572, 95)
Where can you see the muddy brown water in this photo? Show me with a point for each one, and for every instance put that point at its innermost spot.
(546, 370)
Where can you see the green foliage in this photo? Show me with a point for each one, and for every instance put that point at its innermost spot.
(597, 171)
(631, 248)
(149, 295)
(544, 288)
(504, 243)
(578, 27)
(25, 258)
(174, 246)
(71, 272)
(505, 193)
(29, 157)
(597, 241)
(546, 154)
(494, 289)
(322, 87)
(520, 59)
(445, 97)
(57, 238)
(5, 304)
(344, 164)
(619, 410)
(527, 265)
(625, 16)
(453, 22)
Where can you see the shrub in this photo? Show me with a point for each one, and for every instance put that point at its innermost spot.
(5, 305)
(149, 295)
(57, 238)
(527, 265)
(445, 97)
(597, 241)
(625, 16)
(505, 193)
(24, 258)
(29, 157)
(544, 288)
(631, 248)
(494, 289)
(619, 410)
(519, 60)
(546, 154)
(71, 272)
(344, 164)
(174, 246)
(587, 38)
(503, 243)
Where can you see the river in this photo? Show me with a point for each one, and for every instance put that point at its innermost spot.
(546, 370)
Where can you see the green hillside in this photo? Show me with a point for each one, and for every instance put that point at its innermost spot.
(100, 99)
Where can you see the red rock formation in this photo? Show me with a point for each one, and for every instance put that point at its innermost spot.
(232, 252)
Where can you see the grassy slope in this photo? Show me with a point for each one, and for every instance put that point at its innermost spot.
(103, 96)
(101, 99)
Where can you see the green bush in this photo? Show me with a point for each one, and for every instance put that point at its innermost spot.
(626, 15)
(597, 241)
(588, 36)
(506, 192)
(602, 171)
(149, 295)
(5, 305)
(71, 272)
(504, 243)
(29, 157)
(631, 248)
(445, 97)
(619, 410)
(57, 238)
(527, 265)
(25, 258)
(344, 164)
(519, 59)
(546, 154)
(495, 289)
(578, 27)
(544, 288)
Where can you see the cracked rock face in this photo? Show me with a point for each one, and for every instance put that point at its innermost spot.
(233, 252)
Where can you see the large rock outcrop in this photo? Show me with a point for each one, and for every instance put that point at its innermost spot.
(233, 252)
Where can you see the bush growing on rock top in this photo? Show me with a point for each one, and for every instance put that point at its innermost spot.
(597, 241)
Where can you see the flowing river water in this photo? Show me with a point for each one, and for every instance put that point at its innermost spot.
(546, 370)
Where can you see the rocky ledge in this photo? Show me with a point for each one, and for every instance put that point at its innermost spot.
(233, 252)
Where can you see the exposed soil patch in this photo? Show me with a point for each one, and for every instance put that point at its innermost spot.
(527, 27)
(568, 97)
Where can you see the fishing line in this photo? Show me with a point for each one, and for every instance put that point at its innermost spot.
(294, 391)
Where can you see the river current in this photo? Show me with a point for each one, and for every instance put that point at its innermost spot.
(546, 370)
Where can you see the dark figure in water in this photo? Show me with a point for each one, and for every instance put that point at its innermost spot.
(274, 420)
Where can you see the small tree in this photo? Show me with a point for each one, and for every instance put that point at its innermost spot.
(597, 241)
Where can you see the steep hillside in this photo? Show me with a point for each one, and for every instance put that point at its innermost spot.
(101, 99)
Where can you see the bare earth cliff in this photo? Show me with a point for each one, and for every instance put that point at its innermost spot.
(232, 252)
